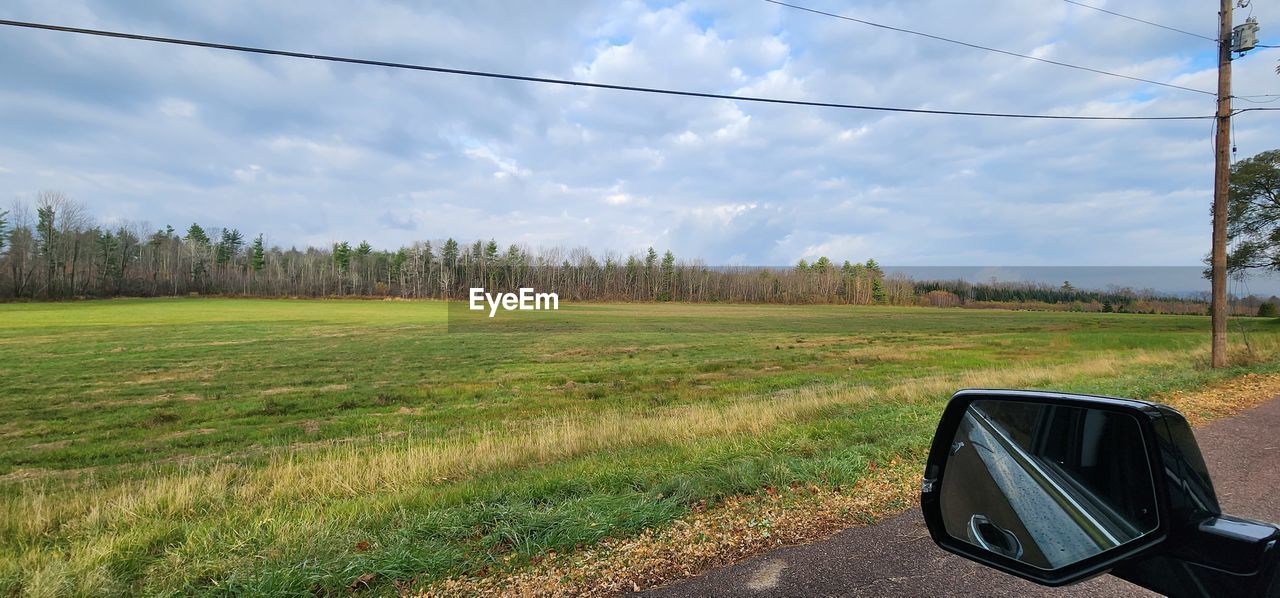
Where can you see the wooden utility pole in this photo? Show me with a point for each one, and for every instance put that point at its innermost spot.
(1222, 168)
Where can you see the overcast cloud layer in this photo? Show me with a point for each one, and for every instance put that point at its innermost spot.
(310, 153)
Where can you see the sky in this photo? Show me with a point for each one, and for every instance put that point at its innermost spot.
(311, 153)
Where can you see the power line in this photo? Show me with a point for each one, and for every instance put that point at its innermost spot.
(1273, 97)
(568, 82)
(987, 48)
(1153, 24)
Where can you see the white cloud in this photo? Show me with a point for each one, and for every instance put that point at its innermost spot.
(506, 167)
(248, 174)
(177, 108)
(321, 152)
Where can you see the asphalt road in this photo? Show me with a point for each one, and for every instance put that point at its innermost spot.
(896, 557)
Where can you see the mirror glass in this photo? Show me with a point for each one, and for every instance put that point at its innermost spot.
(1048, 485)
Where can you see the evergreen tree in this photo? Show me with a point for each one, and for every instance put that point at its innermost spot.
(490, 264)
(873, 268)
(198, 247)
(342, 256)
(448, 265)
(514, 255)
(668, 276)
(257, 255)
(450, 254)
(196, 234)
(229, 247)
(512, 262)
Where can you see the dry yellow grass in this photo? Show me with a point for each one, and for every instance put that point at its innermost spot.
(408, 462)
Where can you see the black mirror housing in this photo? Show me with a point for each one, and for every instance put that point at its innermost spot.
(1182, 496)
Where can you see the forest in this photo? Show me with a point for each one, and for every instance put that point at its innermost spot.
(53, 249)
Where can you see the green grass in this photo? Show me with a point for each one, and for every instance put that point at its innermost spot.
(230, 446)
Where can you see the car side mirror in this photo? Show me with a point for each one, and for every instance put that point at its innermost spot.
(1056, 488)
(1051, 489)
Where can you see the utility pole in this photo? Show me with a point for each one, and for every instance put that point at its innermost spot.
(1222, 169)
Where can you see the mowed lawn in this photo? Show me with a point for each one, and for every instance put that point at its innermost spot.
(233, 446)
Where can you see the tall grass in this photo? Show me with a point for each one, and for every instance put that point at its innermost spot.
(267, 447)
(69, 540)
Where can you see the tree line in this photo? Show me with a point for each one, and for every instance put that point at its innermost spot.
(53, 249)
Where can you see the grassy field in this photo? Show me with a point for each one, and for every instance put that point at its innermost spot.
(272, 446)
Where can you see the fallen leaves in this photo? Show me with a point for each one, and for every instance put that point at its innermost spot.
(363, 582)
(1222, 399)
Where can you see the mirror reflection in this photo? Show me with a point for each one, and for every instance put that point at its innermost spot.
(1048, 485)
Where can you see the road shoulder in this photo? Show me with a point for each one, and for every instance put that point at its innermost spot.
(897, 557)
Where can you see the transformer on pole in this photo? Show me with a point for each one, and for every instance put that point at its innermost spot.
(1244, 37)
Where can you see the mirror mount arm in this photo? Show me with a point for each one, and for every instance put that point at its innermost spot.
(1221, 556)
(1230, 544)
